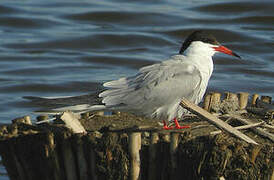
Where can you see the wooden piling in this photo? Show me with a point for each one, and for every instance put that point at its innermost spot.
(89, 154)
(254, 99)
(25, 120)
(173, 157)
(207, 101)
(231, 96)
(134, 148)
(52, 158)
(266, 99)
(80, 157)
(215, 101)
(68, 158)
(216, 98)
(152, 170)
(243, 100)
(11, 162)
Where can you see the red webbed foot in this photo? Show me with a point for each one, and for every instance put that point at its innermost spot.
(177, 125)
(166, 127)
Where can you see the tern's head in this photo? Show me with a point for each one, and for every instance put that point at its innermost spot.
(203, 43)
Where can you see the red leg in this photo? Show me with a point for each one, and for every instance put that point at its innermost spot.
(166, 127)
(177, 125)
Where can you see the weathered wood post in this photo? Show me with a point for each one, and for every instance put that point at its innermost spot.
(152, 156)
(243, 100)
(134, 148)
(173, 158)
(207, 101)
(254, 99)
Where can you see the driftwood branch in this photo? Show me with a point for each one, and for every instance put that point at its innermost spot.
(268, 126)
(240, 127)
(257, 130)
(214, 120)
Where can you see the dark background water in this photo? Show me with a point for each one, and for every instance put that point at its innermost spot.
(65, 47)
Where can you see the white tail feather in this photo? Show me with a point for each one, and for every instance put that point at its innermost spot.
(81, 107)
(78, 109)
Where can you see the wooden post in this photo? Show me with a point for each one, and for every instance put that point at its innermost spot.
(165, 137)
(266, 99)
(207, 101)
(152, 172)
(215, 102)
(134, 148)
(254, 99)
(69, 159)
(90, 155)
(215, 98)
(243, 100)
(24, 120)
(92, 165)
(231, 96)
(11, 162)
(27, 120)
(80, 157)
(52, 158)
(173, 149)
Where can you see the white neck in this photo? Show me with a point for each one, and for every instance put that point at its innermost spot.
(200, 54)
(200, 48)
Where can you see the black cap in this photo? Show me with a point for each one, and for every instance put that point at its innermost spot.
(198, 36)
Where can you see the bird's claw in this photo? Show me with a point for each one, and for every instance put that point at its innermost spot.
(177, 126)
(182, 127)
(166, 127)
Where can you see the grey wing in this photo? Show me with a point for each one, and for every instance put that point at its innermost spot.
(154, 86)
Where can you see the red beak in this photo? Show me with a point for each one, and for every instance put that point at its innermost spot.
(225, 50)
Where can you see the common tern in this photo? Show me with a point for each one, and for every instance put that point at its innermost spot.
(156, 90)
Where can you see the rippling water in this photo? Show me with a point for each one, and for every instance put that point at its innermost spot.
(57, 48)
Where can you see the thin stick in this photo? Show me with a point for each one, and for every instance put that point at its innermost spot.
(214, 120)
(239, 127)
